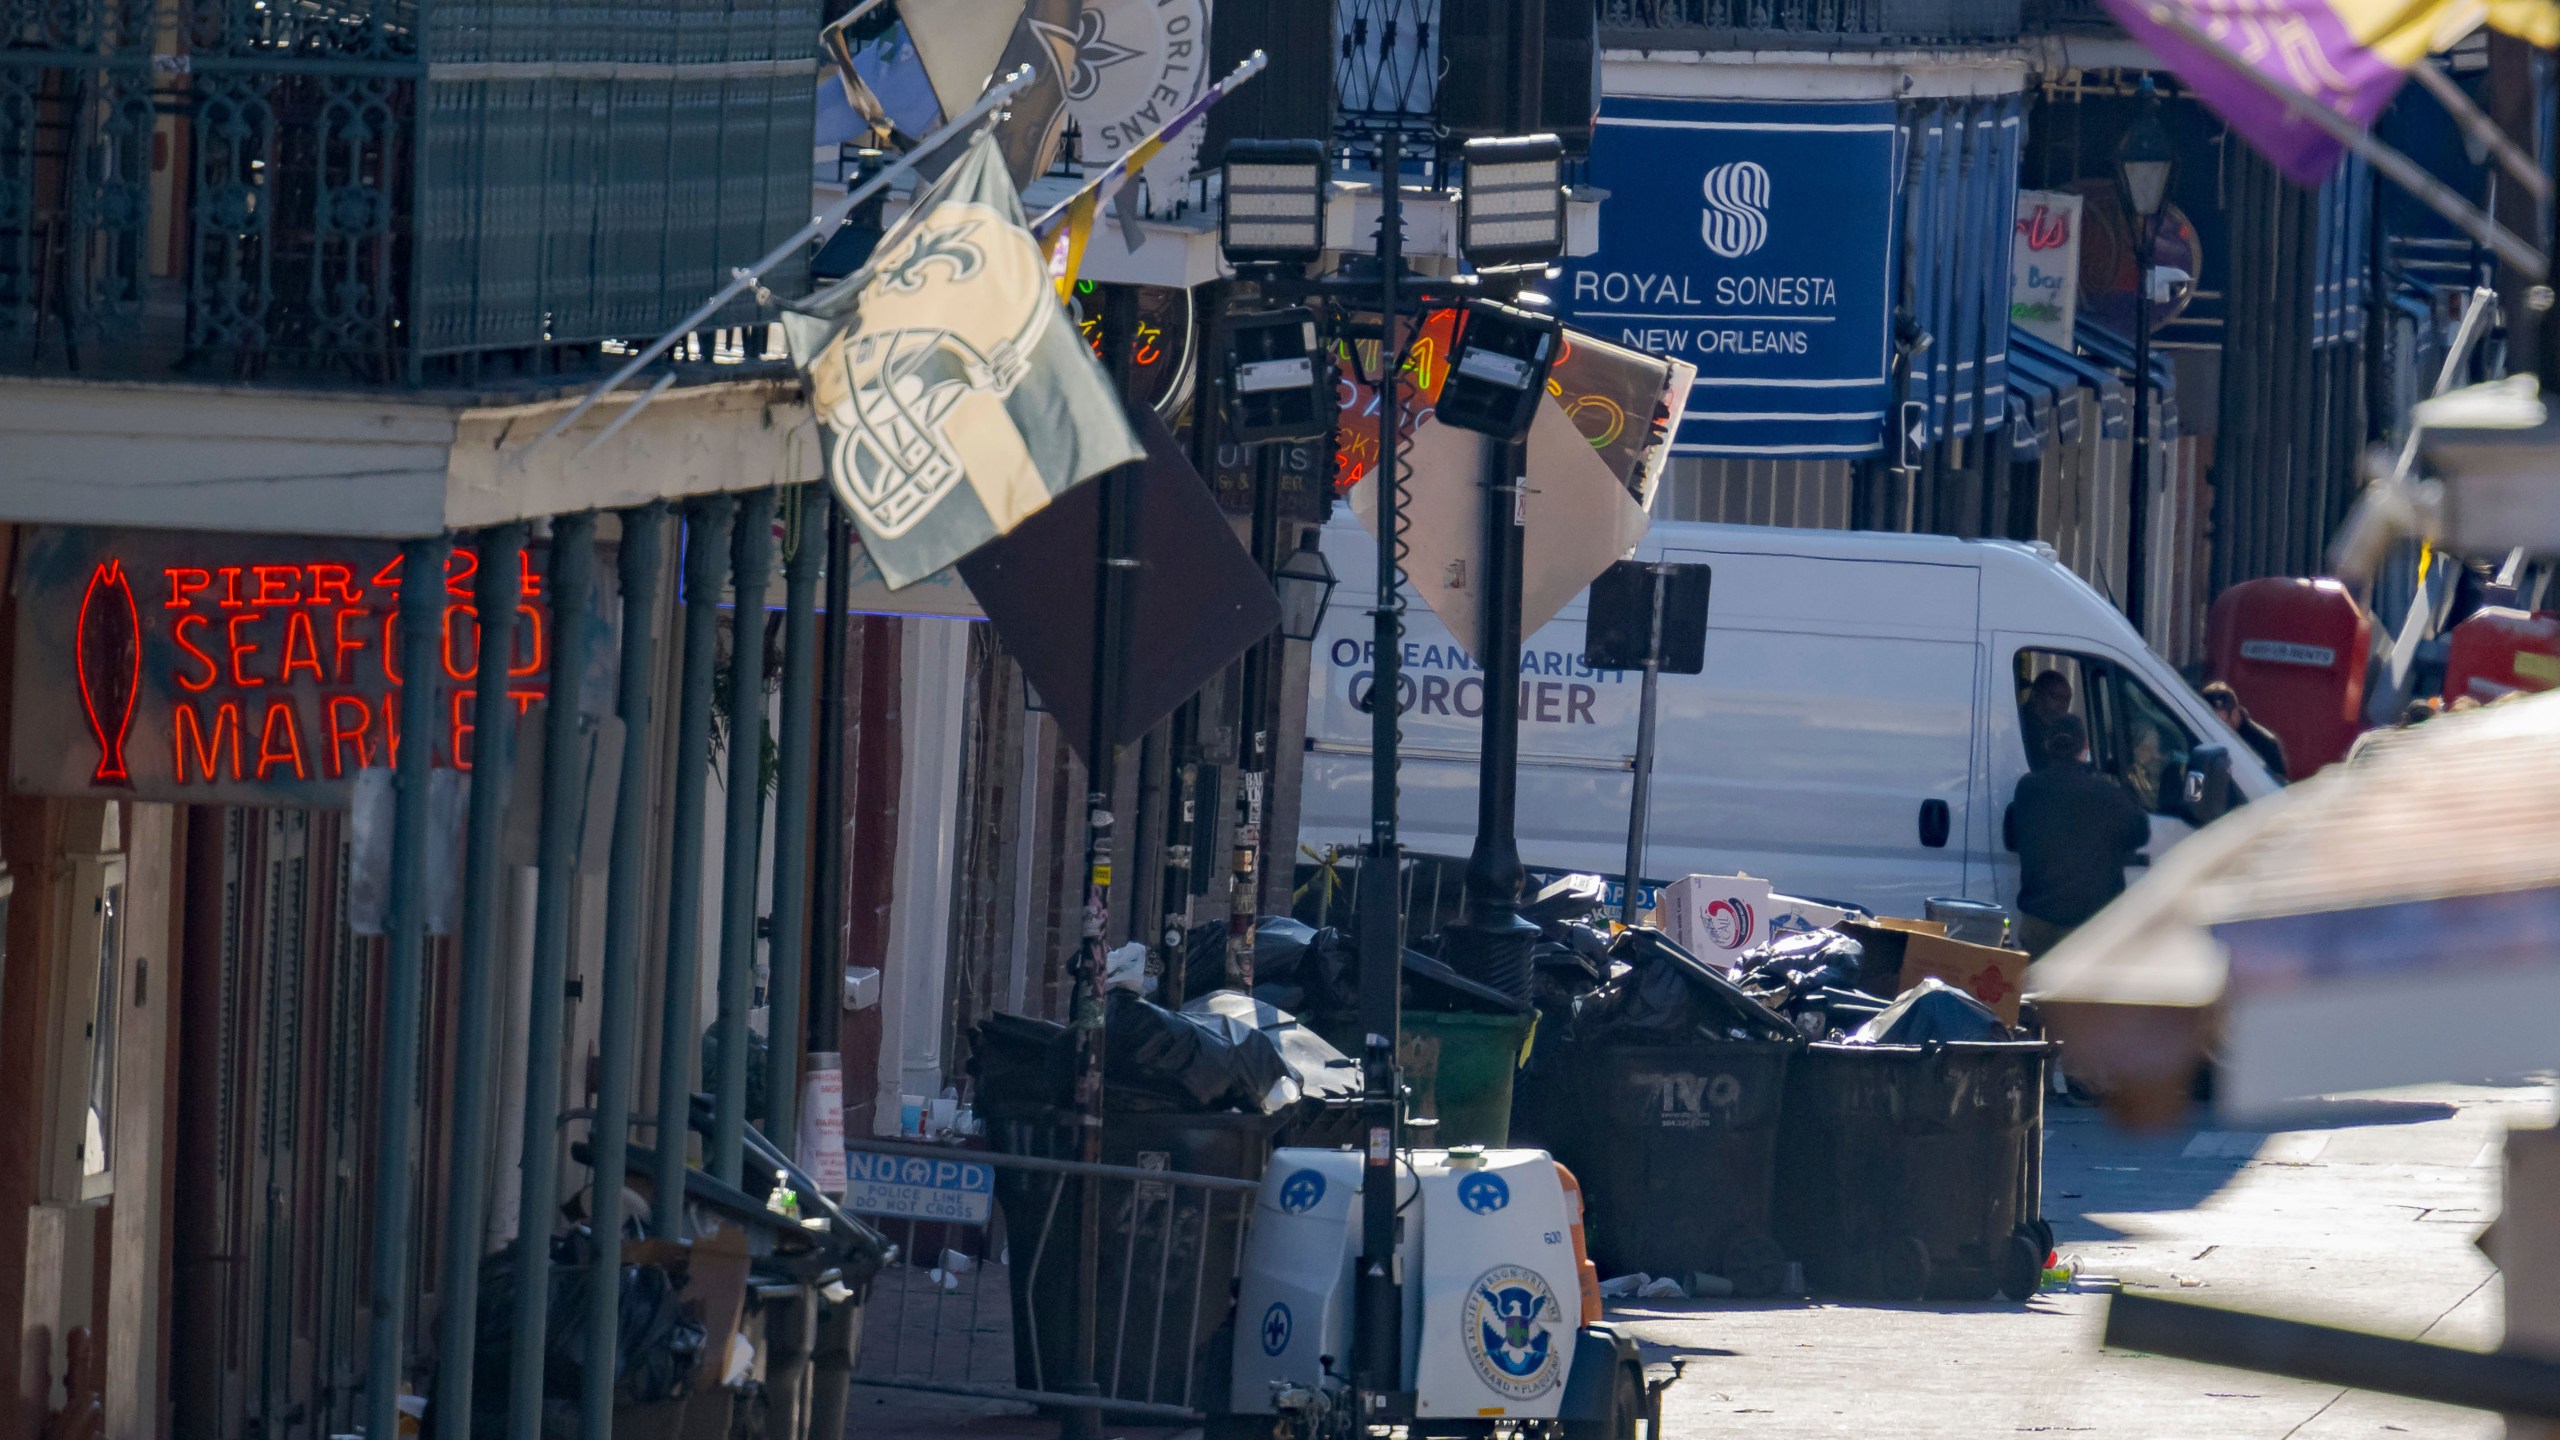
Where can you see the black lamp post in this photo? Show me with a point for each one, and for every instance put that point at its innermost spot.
(1305, 581)
(1511, 228)
(2145, 160)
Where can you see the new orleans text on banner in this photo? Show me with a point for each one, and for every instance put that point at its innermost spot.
(1754, 240)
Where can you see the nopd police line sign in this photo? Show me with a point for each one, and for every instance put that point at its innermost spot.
(1753, 239)
(960, 1191)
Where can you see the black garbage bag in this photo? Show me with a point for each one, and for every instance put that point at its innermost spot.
(1302, 969)
(1669, 996)
(1803, 964)
(1324, 1074)
(1932, 1012)
(1190, 1062)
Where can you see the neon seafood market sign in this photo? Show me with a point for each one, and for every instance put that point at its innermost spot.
(238, 669)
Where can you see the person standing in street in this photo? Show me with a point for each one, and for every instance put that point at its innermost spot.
(2226, 703)
(2074, 831)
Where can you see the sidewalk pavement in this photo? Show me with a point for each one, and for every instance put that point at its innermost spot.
(2360, 1210)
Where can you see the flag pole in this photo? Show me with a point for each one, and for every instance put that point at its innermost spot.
(828, 219)
(2403, 171)
(1245, 70)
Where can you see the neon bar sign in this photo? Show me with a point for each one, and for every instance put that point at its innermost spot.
(237, 668)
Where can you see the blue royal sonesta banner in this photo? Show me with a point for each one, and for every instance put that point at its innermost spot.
(1755, 240)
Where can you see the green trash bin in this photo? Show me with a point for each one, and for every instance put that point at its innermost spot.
(1459, 1068)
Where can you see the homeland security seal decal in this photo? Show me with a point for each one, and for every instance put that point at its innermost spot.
(1509, 1329)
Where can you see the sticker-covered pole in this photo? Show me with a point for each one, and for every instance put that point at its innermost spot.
(1113, 607)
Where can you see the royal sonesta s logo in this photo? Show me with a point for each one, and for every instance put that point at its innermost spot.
(1736, 220)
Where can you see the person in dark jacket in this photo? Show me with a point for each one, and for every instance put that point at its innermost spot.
(2048, 700)
(2226, 703)
(2074, 831)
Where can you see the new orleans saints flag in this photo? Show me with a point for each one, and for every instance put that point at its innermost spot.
(956, 395)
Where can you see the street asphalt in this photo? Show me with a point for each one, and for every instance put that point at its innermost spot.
(2357, 1210)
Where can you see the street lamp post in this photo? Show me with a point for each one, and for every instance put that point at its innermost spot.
(1272, 221)
(1511, 227)
(2145, 159)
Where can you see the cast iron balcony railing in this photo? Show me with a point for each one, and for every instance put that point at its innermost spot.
(2046, 16)
(388, 191)
(1804, 24)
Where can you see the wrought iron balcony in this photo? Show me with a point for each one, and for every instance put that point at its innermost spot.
(385, 191)
(1804, 24)
(2044, 16)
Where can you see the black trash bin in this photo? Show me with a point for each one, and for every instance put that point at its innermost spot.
(1912, 1172)
(1676, 1149)
(1169, 1254)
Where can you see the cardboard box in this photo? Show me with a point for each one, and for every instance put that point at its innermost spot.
(1994, 976)
(1902, 953)
(1788, 915)
(1715, 917)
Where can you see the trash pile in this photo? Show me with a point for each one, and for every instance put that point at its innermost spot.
(1224, 1052)
(1850, 1105)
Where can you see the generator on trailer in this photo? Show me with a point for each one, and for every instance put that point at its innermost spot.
(1502, 1327)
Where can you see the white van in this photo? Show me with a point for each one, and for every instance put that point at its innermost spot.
(1856, 734)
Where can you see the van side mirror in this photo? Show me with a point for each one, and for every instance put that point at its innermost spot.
(2204, 790)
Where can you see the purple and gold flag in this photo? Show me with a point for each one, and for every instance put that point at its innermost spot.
(2347, 55)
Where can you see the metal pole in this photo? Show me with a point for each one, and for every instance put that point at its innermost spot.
(564, 797)
(1378, 1371)
(706, 546)
(826, 957)
(742, 839)
(626, 885)
(788, 971)
(2137, 531)
(1113, 592)
(1640, 802)
(395, 1176)
(1253, 735)
(495, 595)
(1493, 946)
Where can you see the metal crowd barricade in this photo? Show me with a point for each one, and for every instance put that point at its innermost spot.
(989, 1308)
